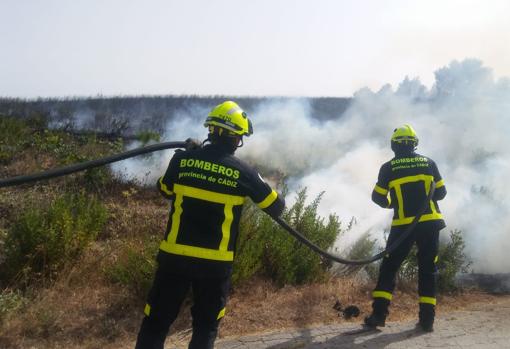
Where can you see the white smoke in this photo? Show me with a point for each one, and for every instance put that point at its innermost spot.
(147, 169)
(462, 122)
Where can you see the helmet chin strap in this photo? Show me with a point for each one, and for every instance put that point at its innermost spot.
(232, 141)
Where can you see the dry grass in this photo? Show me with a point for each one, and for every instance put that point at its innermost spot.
(29, 161)
(82, 310)
(132, 218)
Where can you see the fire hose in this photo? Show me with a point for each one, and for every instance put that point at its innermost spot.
(18, 180)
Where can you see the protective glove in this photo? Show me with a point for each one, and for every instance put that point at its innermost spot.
(193, 144)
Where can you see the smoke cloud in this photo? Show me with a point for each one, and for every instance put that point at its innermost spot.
(462, 122)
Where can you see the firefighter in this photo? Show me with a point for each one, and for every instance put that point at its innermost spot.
(403, 185)
(207, 187)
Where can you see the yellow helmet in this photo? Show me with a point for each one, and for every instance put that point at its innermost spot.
(405, 135)
(229, 116)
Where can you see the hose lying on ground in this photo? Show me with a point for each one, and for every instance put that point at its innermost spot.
(170, 145)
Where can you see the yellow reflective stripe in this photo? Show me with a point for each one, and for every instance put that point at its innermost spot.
(147, 310)
(176, 219)
(380, 190)
(221, 314)
(428, 300)
(396, 183)
(439, 184)
(208, 195)
(198, 252)
(409, 179)
(400, 201)
(423, 218)
(382, 294)
(163, 187)
(436, 259)
(225, 227)
(268, 200)
(170, 245)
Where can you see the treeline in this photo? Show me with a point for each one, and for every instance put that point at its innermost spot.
(124, 116)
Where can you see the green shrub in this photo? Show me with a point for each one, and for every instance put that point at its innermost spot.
(146, 137)
(43, 239)
(250, 244)
(10, 301)
(14, 136)
(408, 272)
(362, 248)
(452, 261)
(134, 266)
(266, 248)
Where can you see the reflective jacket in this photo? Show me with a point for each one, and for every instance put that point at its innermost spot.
(404, 183)
(208, 187)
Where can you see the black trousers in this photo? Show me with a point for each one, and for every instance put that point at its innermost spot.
(164, 302)
(427, 241)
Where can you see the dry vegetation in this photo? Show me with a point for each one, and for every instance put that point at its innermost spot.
(83, 310)
(82, 307)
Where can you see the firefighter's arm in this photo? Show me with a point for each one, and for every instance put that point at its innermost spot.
(380, 197)
(164, 188)
(440, 191)
(380, 193)
(164, 183)
(273, 204)
(262, 194)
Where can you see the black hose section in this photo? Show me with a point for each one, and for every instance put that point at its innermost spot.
(300, 237)
(7, 182)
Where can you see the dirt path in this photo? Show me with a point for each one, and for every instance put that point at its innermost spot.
(480, 326)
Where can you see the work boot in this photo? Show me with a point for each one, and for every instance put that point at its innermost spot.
(374, 320)
(426, 315)
(425, 326)
(379, 313)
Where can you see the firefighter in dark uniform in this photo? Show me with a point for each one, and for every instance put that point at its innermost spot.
(207, 187)
(403, 185)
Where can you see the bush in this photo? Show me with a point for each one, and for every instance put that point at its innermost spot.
(134, 266)
(250, 244)
(266, 248)
(42, 240)
(362, 248)
(14, 135)
(452, 261)
(10, 301)
(145, 137)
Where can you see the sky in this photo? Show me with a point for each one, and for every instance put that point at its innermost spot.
(57, 48)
